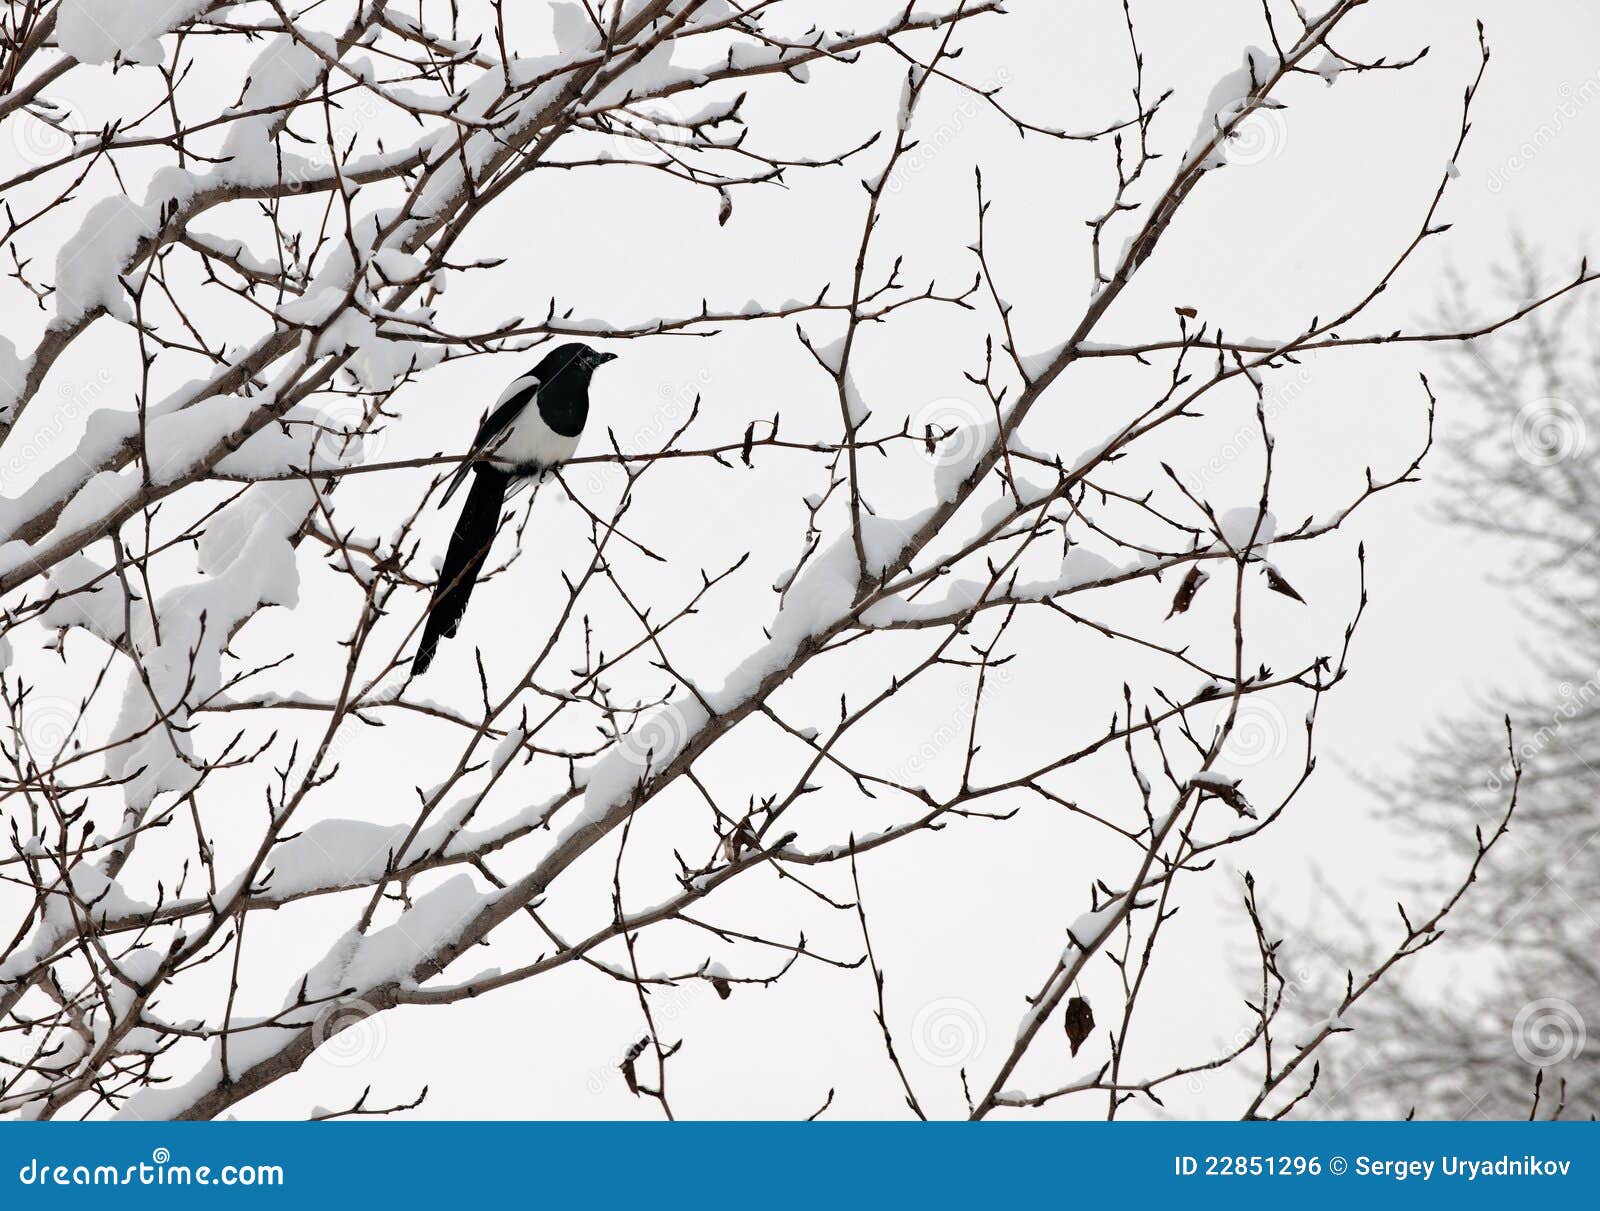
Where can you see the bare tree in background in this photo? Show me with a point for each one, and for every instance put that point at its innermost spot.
(1509, 1034)
(187, 793)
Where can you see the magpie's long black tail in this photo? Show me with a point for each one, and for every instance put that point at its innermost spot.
(469, 548)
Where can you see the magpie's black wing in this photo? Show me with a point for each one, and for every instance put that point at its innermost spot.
(513, 400)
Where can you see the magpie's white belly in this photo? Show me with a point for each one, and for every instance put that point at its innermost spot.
(529, 440)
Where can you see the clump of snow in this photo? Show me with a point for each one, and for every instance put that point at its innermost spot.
(1080, 569)
(1082, 565)
(355, 961)
(13, 374)
(907, 99)
(1089, 930)
(235, 250)
(397, 266)
(84, 887)
(88, 596)
(247, 561)
(102, 493)
(1228, 95)
(1224, 787)
(389, 954)
(962, 453)
(1237, 525)
(314, 306)
(96, 31)
(654, 742)
(89, 262)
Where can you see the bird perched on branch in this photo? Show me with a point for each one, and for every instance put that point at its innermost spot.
(533, 427)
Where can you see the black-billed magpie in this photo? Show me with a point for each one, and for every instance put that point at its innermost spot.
(533, 426)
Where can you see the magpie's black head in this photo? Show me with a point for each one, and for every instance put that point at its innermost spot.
(572, 364)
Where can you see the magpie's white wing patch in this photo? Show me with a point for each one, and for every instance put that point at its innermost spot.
(528, 382)
(495, 427)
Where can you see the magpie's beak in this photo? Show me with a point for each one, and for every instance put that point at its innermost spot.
(600, 359)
